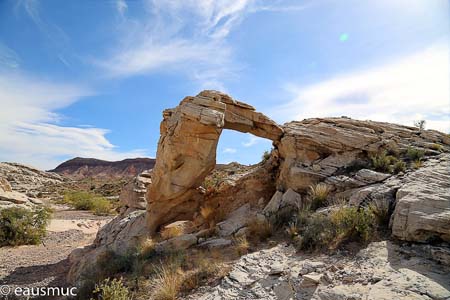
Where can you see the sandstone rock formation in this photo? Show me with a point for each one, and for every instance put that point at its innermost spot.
(20, 184)
(314, 149)
(335, 151)
(133, 194)
(187, 151)
(422, 211)
(25, 179)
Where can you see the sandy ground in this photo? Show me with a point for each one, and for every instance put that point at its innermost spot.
(46, 264)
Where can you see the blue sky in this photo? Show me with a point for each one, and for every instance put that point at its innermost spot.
(91, 78)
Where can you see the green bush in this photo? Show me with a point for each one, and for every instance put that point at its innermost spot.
(101, 206)
(266, 155)
(383, 162)
(318, 233)
(111, 290)
(19, 226)
(81, 200)
(398, 167)
(415, 154)
(322, 231)
(354, 224)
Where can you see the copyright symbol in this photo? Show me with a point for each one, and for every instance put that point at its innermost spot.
(5, 290)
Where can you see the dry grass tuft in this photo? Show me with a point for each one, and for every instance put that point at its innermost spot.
(167, 283)
(417, 164)
(147, 248)
(211, 215)
(206, 212)
(260, 229)
(437, 147)
(292, 229)
(242, 245)
(318, 195)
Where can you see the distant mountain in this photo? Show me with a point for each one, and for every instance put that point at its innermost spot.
(79, 167)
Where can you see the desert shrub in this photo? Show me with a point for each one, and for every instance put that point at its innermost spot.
(81, 200)
(353, 224)
(111, 290)
(260, 229)
(356, 165)
(109, 264)
(213, 181)
(420, 124)
(417, 164)
(437, 147)
(101, 206)
(146, 249)
(302, 218)
(415, 154)
(19, 226)
(323, 231)
(241, 244)
(398, 167)
(265, 157)
(167, 283)
(292, 229)
(202, 270)
(383, 162)
(318, 233)
(318, 195)
(381, 210)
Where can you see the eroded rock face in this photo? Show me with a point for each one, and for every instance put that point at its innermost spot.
(187, 151)
(133, 194)
(422, 212)
(314, 149)
(25, 179)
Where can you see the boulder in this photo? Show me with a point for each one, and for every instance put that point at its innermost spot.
(283, 204)
(177, 243)
(13, 197)
(235, 221)
(422, 212)
(4, 185)
(133, 194)
(120, 235)
(215, 243)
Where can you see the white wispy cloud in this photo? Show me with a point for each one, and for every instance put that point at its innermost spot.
(253, 140)
(413, 87)
(187, 37)
(121, 6)
(229, 150)
(29, 130)
(179, 36)
(8, 57)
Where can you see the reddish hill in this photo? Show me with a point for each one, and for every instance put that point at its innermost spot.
(79, 167)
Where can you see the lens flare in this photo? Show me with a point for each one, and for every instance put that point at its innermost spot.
(343, 37)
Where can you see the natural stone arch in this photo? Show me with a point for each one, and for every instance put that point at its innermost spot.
(187, 151)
